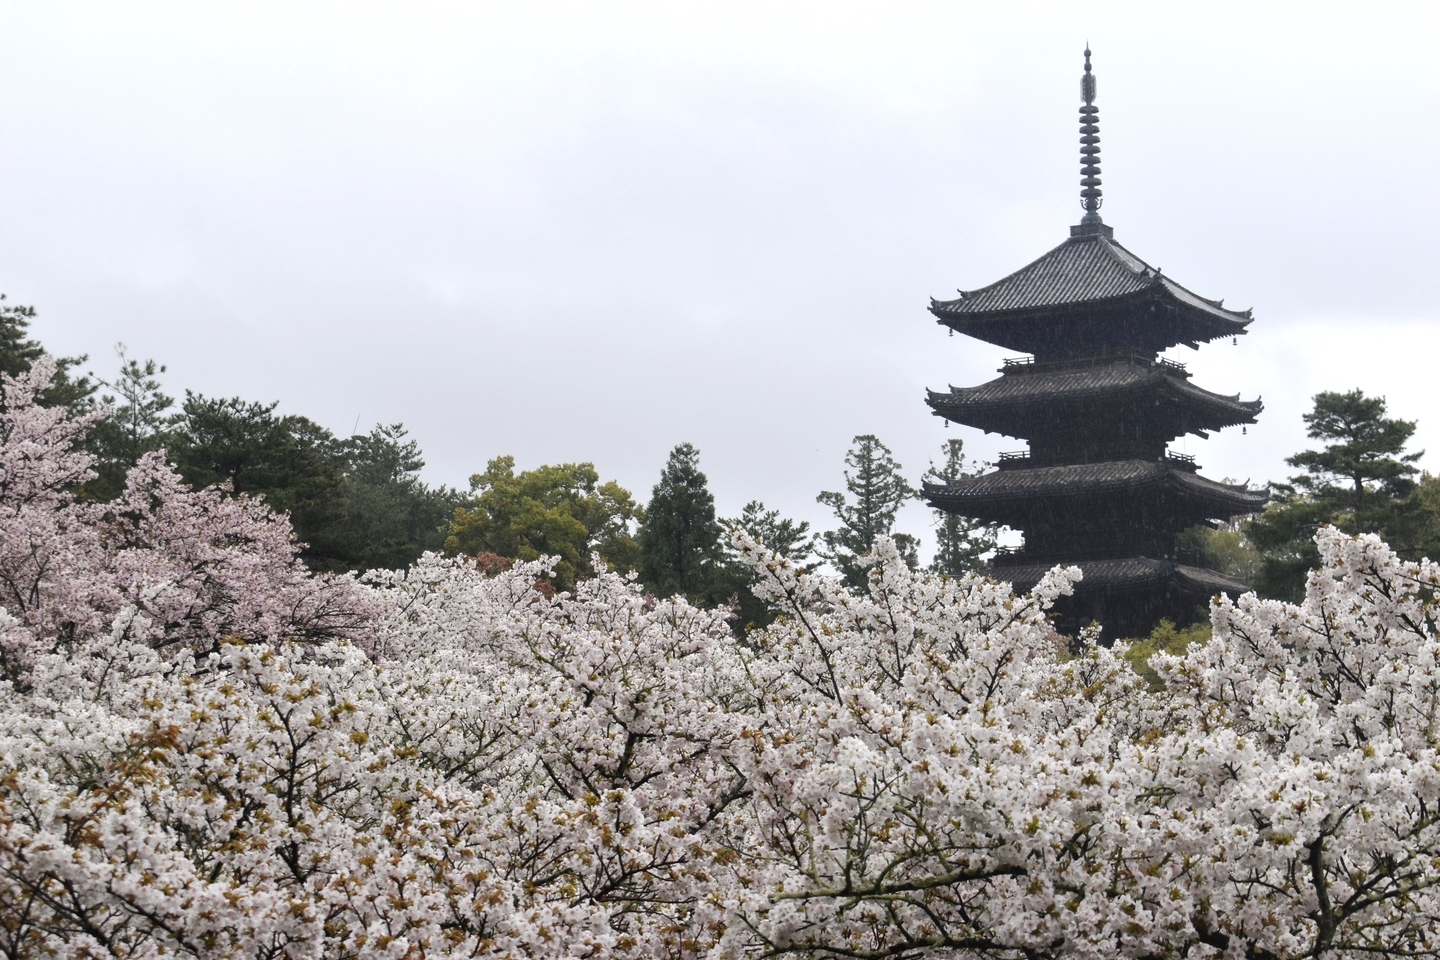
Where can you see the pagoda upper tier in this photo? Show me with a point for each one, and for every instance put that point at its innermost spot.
(1083, 411)
(1089, 297)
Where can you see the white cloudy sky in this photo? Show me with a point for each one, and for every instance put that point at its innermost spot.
(589, 231)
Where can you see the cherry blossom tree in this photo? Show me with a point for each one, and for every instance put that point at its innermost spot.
(194, 566)
(207, 752)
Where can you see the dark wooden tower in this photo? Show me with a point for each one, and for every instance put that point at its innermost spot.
(1098, 405)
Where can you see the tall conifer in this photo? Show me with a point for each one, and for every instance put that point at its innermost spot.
(680, 538)
(962, 541)
(879, 489)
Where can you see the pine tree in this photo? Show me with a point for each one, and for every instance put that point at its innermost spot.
(784, 536)
(879, 490)
(1363, 481)
(680, 538)
(962, 541)
(386, 515)
(18, 351)
(138, 423)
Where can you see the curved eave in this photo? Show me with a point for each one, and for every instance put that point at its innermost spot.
(1231, 409)
(1008, 496)
(1102, 576)
(1207, 320)
(980, 407)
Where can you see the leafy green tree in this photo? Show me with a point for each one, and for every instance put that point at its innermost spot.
(140, 421)
(562, 511)
(1362, 481)
(879, 489)
(1226, 548)
(1165, 638)
(680, 550)
(962, 541)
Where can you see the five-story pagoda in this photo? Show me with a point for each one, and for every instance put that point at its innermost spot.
(1098, 405)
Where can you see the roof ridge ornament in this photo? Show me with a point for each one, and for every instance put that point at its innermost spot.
(1091, 197)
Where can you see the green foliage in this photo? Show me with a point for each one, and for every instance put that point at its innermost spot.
(18, 352)
(1165, 638)
(784, 536)
(962, 541)
(140, 421)
(290, 460)
(355, 504)
(1362, 481)
(562, 511)
(879, 489)
(385, 516)
(1226, 548)
(680, 538)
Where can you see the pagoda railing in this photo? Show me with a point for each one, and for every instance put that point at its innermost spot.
(1021, 459)
(1008, 556)
(1013, 365)
(1012, 459)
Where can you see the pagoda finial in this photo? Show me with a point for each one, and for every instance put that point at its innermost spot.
(1090, 197)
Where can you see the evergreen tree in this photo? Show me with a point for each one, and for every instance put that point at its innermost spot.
(291, 461)
(962, 541)
(18, 351)
(680, 538)
(784, 536)
(879, 490)
(355, 504)
(736, 580)
(139, 422)
(387, 516)
(1362, 481)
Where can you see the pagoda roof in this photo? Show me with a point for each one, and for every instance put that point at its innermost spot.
(1005, 495)
(1000, 404)
(1085, 271)
(1128, 574)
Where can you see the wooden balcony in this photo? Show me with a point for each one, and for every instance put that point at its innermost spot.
(1023, 365)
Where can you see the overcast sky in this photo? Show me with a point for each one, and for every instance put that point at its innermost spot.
(590, 231)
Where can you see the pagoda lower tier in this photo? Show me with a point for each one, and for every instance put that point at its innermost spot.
(1096, 510)
(1127, 596)
(1117, 521)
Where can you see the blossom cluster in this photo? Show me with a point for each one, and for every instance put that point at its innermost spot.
(206, 751)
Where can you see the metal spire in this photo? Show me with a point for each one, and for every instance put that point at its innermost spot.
(1090, 197)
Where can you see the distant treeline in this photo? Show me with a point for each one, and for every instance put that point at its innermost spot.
(358, 503)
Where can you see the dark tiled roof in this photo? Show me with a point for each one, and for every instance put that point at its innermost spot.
(1066, 386)
(1080, 270)
(1103, 575)
(1081, 478)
